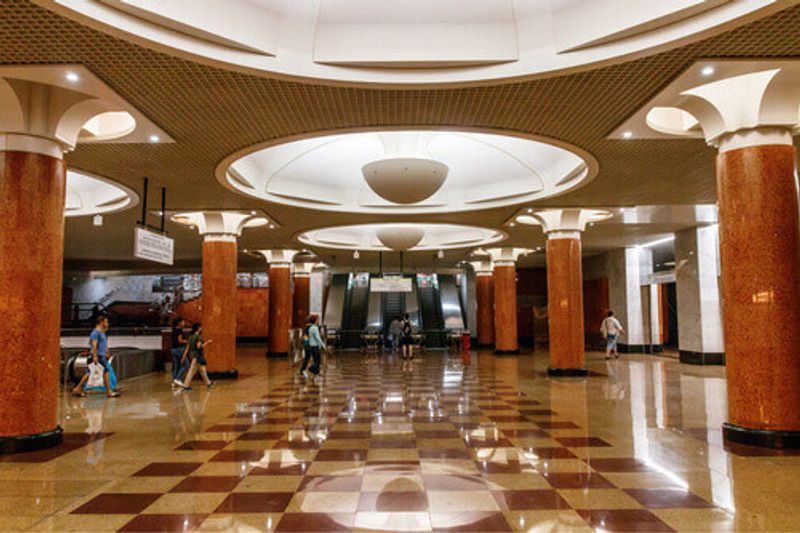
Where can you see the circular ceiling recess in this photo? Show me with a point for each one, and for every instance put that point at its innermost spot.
(88, 195)
(407, 172)
(410, 42)
(401, 237)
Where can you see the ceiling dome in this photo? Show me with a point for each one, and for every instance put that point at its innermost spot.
(400, 238)
(405, 180)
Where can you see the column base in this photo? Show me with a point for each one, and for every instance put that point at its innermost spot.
(633, 348)
(656, 348)
(483, 346)
(567, 372)
(507, 352)
(761, 437)
(224, 374)
(702, 358)
(252, 340)
(31, 443)
(277, 355)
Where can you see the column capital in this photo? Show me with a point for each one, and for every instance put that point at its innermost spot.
(751, 109)
(483, 266)
(506, 256)
(302, 269)
(279, 258)
(568, 223)
(48, 109)
(216, 225)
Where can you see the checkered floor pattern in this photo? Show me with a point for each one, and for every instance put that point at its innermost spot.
(373, 446)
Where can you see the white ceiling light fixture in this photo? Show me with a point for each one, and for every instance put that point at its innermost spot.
(407, 174)
(708, 70)
(400, 237)
(627, 134)
(154, 138)
(89, 195)
(72, 77)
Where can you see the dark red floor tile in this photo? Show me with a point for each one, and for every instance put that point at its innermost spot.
(522, 401)
(207, 484)
(551, 453)
(168, 469)
(443, 453)
(582, 442)
(341, 455)
(164, 522)
(510, 467)
(393, 502)
(294, 469)
(477, 522)
(238, 455)
(203, 445)
(228, 428)
(537, 412)
(453, 482)
(316, 522)
(530, 500)
(296, 445)
(262, 435)
(576, 480)
(667, 498)
(117, 503)
(331, 483)
(624, 520)
(255, 502)
(618, 464)
(70, 442)
(554, 424)
(392, 443)
(508, 418)
(487, 443)
(525, 433)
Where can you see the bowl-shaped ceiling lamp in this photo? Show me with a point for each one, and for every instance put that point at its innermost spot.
(400, 238)
(405, 180)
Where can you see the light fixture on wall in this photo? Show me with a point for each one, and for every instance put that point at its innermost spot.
(97, 220)
(356, 255)
(440, 254)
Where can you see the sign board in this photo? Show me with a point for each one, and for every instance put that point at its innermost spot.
(153, 246)
(391, 284)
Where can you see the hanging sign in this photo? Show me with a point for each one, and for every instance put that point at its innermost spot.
(391, 284)
(153, 246)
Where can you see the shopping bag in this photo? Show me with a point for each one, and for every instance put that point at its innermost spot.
(95, 375)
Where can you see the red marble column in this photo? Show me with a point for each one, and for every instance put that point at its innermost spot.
(219, 304)
(484, 294)
(32, 188)
(506, 339)
(301, 300)
(565, 307)
(760, 260)
(280, 309)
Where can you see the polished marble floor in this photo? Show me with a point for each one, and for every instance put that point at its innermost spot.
(492, 445)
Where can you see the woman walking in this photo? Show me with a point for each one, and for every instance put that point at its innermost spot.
(195, 353)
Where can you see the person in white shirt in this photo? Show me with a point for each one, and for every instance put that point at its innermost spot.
(611, 329)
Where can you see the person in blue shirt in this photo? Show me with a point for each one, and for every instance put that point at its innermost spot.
(99, 354)
(315, 344)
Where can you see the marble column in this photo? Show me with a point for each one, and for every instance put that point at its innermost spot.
(506, 336)
(318, 281)
(565, 305)
(32, 188)
(280, 300)
(628, 292)
(220, 231)
(563, 228)
(484, 296)
(759, 233)
(219, 304)
(42, 116)
(698, 297)
(301, 299)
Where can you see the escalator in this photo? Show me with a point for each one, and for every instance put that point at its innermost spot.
(355, 312)
(393, 306)
(430, 310)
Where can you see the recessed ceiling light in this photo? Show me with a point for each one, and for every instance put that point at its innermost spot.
(272, 226)
(707, 70)
(512, 224)
(627, 134)
(154, 138)
(72, 77)
(529, 210)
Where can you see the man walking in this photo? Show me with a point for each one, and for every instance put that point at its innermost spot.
(98, 348)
